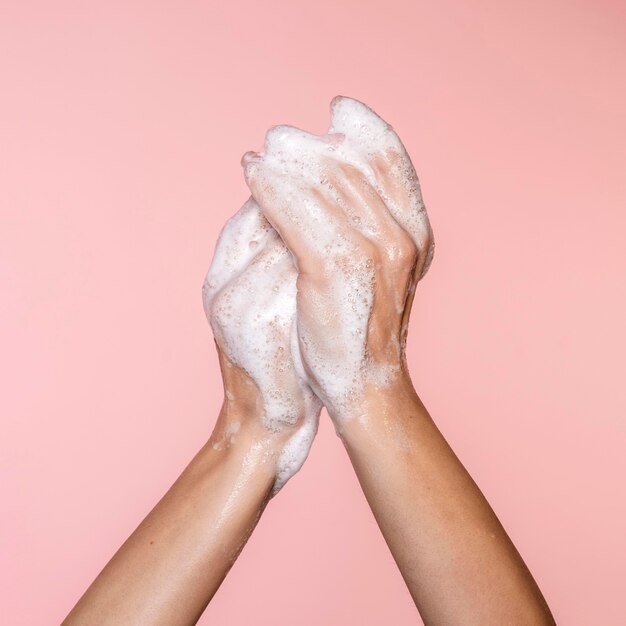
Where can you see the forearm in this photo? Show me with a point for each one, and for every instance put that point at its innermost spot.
(174, 562)
(457, 560)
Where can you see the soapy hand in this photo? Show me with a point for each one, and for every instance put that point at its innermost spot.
(249, 297)
(349, 208)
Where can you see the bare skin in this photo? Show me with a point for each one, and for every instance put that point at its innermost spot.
(171, 566)
(456, 559)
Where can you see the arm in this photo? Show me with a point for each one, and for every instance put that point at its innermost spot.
(458, 562)
(361, 238)
(171, 566)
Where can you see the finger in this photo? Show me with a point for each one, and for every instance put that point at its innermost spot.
(259, 297)
(369, 214)
(391, 169)
(240, 240)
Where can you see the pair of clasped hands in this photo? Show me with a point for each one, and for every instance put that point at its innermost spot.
(309, 295)
(312, 282)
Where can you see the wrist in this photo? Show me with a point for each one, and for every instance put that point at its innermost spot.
(245, 461)
(241, 426)
(382, 413)
(241, 443)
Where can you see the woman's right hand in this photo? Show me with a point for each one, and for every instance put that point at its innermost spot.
(349, 208)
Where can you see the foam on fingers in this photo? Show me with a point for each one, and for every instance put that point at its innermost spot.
(389, 169)
(241, 239)
(290, 180)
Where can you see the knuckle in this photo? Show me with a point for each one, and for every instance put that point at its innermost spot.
(407, 251)
(369, 252)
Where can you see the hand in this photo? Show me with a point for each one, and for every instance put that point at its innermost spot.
(349, 207)
(249, 298)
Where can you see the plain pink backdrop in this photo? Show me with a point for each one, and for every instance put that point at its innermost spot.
(121, 129)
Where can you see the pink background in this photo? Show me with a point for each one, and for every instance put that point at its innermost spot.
(121, 129)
